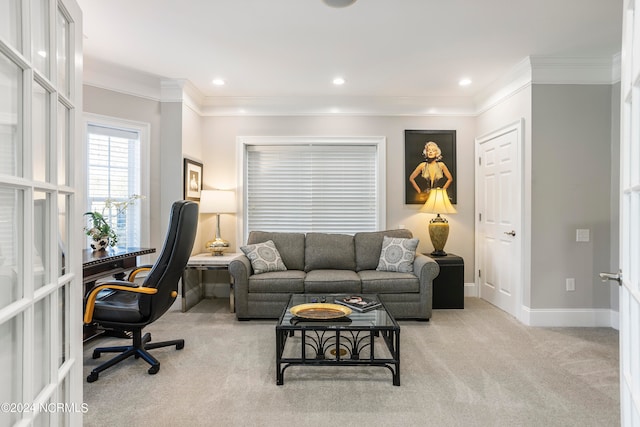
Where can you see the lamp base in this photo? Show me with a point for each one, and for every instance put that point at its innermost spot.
(438, 253)
(216, 246)
(439, 232)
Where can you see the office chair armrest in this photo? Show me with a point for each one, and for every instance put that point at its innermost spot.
(134, 273)
(116, 286)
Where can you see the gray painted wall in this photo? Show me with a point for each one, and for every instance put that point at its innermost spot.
(571, 188)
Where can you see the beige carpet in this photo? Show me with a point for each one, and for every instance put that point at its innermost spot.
(471, 367)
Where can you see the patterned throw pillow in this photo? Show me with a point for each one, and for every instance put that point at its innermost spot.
(397, 254)
(264, 257)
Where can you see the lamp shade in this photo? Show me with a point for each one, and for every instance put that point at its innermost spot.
(438, 202)
(217, 201)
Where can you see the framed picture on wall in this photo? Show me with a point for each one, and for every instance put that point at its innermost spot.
(429, 162)
(192, 180)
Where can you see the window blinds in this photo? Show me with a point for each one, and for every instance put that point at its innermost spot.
(303, 188)
(113, 171)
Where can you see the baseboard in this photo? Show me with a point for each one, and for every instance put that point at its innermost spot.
(561, 317)
(570, 317)
(470, 290)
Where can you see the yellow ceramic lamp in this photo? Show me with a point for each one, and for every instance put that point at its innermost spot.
(438, 203)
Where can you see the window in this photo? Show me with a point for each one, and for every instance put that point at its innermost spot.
(321, 184)
(115, 172)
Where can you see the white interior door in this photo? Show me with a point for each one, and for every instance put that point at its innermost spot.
(630, 219)
(499, 213)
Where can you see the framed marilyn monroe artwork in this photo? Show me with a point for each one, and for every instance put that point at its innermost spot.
(429, 162)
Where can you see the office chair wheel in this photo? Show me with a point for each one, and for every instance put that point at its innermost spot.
(180, 346)
(154, 369)
(96, 354)
(93, 376)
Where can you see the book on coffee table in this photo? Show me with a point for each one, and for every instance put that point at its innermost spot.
(358, 303)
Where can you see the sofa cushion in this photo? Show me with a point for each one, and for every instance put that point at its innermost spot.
(332, 282)
(329, 251)
(290, 246)
(385, 282)
(264, 257)
(397, 254)
(368, 246)
(289, 281)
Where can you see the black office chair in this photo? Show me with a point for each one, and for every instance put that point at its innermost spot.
(121, 306)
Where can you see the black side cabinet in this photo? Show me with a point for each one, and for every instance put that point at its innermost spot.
(448, 287)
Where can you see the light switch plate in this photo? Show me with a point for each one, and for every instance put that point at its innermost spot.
(582, 235)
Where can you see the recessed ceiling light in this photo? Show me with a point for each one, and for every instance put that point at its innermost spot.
(339, 3)
(464, 82)
(218, 82)
(338, 81)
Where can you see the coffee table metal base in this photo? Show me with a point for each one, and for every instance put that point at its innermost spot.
(319, 348)
(361, 339)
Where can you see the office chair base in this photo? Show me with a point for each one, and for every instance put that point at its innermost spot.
(138, 350)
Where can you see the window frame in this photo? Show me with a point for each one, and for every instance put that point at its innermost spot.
(244, 142)
(143, 129)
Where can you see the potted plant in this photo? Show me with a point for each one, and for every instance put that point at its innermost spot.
(101, 232)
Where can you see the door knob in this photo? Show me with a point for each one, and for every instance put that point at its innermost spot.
(510, 233)
(612, 276)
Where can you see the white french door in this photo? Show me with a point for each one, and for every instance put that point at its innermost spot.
(40, 261)
(630, 218)
(499, 213)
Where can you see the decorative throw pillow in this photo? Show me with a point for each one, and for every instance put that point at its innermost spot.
(264, 257)
(397, 254)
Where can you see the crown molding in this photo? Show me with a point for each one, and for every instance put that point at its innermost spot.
(512, 82)
(106, 75)
(549, 70)
(574, 70)
(531, 70)
(338, 106)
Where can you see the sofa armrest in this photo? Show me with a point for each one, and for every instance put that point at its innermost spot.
(425, 268)
(240, 270)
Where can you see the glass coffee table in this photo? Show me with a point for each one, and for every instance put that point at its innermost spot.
(370, 338)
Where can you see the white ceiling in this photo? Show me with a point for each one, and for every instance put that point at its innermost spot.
(385, 49)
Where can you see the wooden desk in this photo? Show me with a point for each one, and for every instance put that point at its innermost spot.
(111, 262)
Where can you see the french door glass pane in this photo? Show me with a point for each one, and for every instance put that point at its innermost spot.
(41, 240)
(42, 346)
(11, 222)
(63, 396)
(10, 117)
(63, 233)
(11, 354)
(40, 35)
(10, 22)
(63, 335)
(63, 143)
(40, 129)
(63, 53)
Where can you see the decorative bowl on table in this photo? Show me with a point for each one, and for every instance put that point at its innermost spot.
(320, 311)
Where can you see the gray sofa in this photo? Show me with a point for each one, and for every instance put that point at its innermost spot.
(320, 263)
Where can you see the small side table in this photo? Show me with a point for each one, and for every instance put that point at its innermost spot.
(448, 287)
(192, 292)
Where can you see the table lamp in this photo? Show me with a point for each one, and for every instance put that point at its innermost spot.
(438, 203)
(217, 202)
